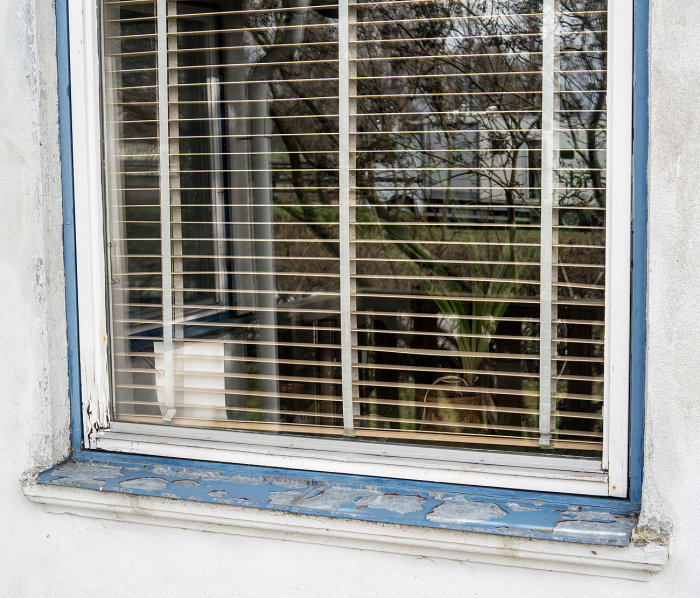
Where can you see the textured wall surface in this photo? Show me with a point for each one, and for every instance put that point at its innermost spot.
(672, 467)
(44, 554)
(32, 326)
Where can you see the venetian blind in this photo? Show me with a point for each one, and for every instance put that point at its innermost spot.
(383, 220)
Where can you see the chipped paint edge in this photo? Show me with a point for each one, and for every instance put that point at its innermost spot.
(631, 562)
(87, 212)
(95, 408)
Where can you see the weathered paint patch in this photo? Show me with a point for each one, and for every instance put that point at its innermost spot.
(146, 484)
(288, 497)
(463, 511)
(581, 515)
(84, 474)
(95, 411)
(450, 506)
(334, 499)
(516, 506)
(217, 476)
(397, 503)
(594, 532)
(217, 493)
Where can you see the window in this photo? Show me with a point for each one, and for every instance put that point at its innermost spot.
(386, 237)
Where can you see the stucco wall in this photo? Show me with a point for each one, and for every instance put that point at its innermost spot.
(45, 554)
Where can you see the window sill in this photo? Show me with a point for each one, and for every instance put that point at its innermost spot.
(542, 531)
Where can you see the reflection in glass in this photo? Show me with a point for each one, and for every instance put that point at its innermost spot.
(232, 318)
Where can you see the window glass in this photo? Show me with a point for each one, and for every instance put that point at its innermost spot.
(382, 220)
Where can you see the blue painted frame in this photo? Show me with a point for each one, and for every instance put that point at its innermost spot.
(65, 124)
(638, 298)
(638, 336)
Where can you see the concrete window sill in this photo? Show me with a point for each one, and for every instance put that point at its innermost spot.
(524, 529)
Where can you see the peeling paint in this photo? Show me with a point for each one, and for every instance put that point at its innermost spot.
(283, 498)
(519, 507)
(217, 493)
(334, 499)
(85, 474)
(505, 512)
(96, 403)
(149, 484)
(397, 503)
(208, 475)
(331, 498)
(581, 515)
(463, 511)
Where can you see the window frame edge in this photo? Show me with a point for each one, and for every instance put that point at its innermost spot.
(88, 344)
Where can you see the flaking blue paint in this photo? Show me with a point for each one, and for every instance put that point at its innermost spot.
(69, 251)
(449, 506)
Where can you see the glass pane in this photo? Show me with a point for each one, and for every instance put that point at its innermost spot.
(225, 288)
(448, 221)
(252, 113)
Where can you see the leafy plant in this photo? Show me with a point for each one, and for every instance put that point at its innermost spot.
(473, 321)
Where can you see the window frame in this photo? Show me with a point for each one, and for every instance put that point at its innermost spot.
(90, 389)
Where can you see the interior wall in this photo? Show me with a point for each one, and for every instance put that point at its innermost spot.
(45, 554)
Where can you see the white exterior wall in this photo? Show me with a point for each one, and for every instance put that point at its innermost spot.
(44, 554)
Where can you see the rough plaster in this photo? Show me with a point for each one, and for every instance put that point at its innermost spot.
(51, 555)
(672, 447)
(32, 335)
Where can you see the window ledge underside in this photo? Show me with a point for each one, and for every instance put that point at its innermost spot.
(427, 519)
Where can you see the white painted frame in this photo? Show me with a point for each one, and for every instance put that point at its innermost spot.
(530, 472)
(458, 466)
(549, 31)
(346, 176)
(89, 217)
(618, 247)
